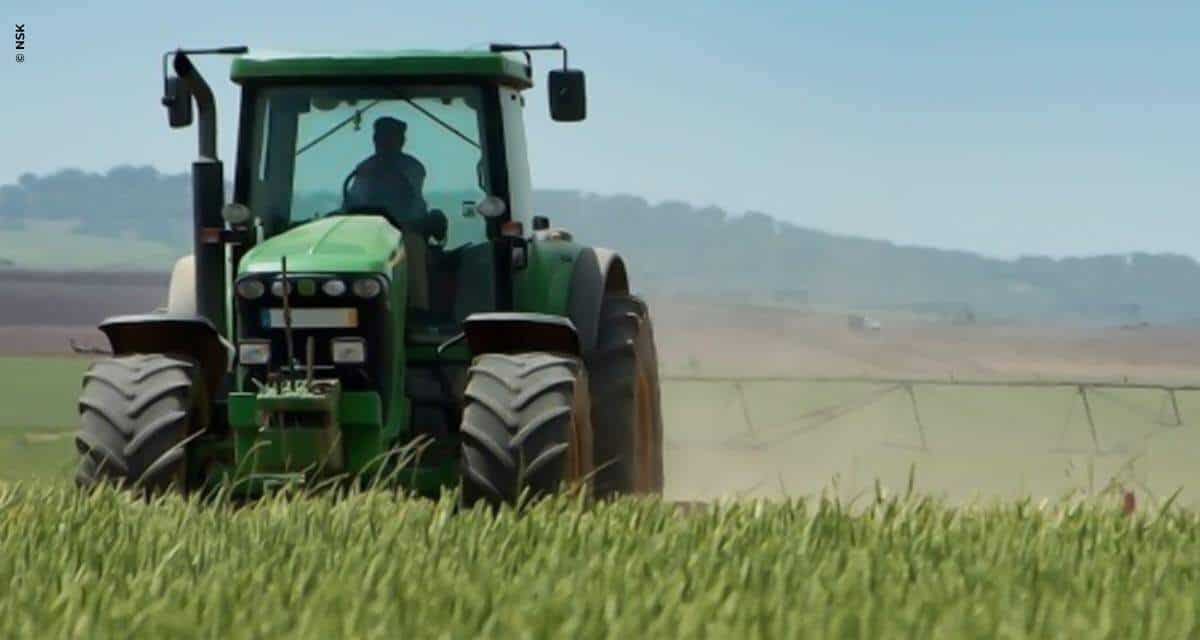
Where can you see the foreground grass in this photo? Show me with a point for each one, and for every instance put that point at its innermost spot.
(378, 566)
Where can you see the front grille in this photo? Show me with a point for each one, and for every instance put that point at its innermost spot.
(255, 322)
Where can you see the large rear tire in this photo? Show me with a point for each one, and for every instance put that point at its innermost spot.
(626, 400)
(136, 413)
(525, 427)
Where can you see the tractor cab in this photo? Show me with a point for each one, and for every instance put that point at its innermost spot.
(429, 145)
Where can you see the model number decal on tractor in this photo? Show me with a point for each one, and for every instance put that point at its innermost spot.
(312, 318)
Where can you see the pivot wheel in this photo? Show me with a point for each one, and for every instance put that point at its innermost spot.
(626, 401)
(135, 415)
(525, 427)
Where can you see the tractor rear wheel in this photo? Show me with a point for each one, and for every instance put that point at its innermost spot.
(626, 400)
(135, 415)
(525, 427)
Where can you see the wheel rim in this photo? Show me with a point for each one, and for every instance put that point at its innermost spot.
(576, 465)
(644, 434)
(574, 457)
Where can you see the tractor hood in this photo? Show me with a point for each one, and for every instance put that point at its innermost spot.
(340, 244)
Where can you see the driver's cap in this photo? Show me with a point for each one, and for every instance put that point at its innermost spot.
(388, 124)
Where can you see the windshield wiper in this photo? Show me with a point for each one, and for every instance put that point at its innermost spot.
(357, 115)
(445, 125)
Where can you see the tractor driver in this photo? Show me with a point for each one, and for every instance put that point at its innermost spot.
(391, 178)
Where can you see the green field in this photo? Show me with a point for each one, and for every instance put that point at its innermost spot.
(849, 562)
(55, 246)
(781, 439)
(378, 566)
(37, 417)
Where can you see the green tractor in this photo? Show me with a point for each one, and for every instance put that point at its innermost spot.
(370, 305)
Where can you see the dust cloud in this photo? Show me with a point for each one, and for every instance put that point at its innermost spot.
(727, 435)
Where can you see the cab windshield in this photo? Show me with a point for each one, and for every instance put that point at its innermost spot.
(406, 153)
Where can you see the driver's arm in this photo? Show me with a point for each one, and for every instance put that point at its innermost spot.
(431, 223)
(416, 177)
(359, 181)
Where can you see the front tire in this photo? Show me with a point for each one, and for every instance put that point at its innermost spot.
(525, 427)
(136, 413)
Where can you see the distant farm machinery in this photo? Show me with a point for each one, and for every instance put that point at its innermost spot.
(880, 388)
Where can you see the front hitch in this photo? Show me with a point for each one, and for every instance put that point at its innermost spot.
(296, 430)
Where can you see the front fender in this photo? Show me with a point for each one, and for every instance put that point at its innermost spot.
(520, 333)
(190, 336)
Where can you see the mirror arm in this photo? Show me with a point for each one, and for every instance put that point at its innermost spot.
(500, 47)
(199, 89)
(205, 104)
(166, 54)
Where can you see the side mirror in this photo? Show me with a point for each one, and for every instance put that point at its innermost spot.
(178, 101)
(568, 96)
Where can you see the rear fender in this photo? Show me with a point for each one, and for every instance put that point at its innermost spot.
(190, 336)
(597, 272)
(181, 295)
(520, 333)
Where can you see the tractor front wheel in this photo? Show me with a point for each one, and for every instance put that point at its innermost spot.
(525, 427)
(136, 413)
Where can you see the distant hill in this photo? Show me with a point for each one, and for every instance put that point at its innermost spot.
(679, 248)
(124, 200)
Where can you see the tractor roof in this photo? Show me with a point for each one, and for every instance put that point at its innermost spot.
(475, 64)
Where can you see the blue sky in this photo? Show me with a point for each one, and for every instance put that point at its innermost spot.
(1004, 128)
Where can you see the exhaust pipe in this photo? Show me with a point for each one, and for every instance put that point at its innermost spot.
(208, 179)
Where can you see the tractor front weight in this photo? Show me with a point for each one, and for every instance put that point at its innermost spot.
(304, 430)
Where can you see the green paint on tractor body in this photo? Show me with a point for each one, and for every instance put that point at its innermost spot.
(338, 244)
(294, 433)
(545, 285)
(394, 65)
(287, 433)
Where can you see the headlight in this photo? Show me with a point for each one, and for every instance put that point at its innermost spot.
(254, 352)
(367, 287)
(277, 288)
(306, 287)
(251, 289)
(491, 207)
(349, 350)
(236, 213)
(334, 288)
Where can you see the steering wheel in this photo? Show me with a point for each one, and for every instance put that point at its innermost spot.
(346, 187)
(433, 224)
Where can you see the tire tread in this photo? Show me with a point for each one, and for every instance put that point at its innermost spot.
(625, 346)
(135, 414)
(516, 425)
